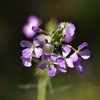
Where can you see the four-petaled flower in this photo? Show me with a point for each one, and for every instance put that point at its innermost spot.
(32, 50)
(85, 54)
(51, 61)
(69, 60)
(32, 21)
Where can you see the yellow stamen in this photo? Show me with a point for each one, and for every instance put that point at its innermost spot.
(64, 24)
(33, 46)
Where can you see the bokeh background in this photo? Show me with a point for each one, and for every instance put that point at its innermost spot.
(85, 14)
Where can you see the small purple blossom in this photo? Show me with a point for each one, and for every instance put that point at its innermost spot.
(51, 61)
(50, 58)
(65, 51)
(32, 49)
(27, 28)
(68, 27)
(85, 54)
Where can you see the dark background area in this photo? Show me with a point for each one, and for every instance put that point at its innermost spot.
(85, 14)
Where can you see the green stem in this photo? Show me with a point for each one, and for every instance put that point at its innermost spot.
(42, 87)
(36, 60)
(50, 85)
(43, 81)
(57, 51)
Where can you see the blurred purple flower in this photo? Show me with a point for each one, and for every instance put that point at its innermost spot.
(31, 50)
(51, 61)
(67, 38)
(68, 29)
(27, 28)
(85, 54)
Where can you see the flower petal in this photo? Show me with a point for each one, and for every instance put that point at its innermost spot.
(60, 61)
(26, 62)
(27, 53)
(27, 30)
(38, 52)
(85, 54)
(84, 44)
(71, 25)
(36, 29)
(65, 50)
(79, 68)
(68, 38)
(74, 57)
(69, 63)
(42, 65)
(70, 29)
(54, 56)
(34, 20)
(46, 56)
(52, 70)
(62, 68)
(36, 42)
(25, 43)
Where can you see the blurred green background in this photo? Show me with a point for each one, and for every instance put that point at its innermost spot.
(85, 14)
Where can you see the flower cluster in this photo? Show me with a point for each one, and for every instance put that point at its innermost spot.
(68, 57)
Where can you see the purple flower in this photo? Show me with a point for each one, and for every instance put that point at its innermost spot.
(85, 54)
(32, 49)
(69, 28)
(27, 28)
(50, 62)
(65, 51)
